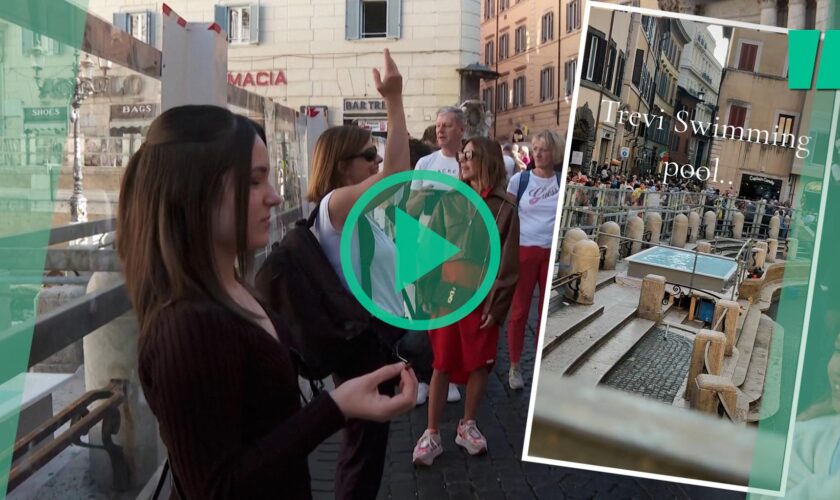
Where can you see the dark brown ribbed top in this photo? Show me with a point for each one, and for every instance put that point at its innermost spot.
(226, 396)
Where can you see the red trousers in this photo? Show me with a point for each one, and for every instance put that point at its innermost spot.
(533, 270)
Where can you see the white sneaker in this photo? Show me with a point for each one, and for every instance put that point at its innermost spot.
(428, 448)
(515, 379)
(453, 396)
(471, 438)
(422, 393)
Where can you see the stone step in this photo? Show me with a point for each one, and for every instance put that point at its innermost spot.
(768, 404)
(605, 278)
(730, 363)
(558, 327)
(754, 383)
(568, 317)
(573, 349)
(599, 364)
(744, 306)
(746, 344)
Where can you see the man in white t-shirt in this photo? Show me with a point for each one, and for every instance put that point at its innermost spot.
(449, 129)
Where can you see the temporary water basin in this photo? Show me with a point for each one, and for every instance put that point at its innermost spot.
(711, 272)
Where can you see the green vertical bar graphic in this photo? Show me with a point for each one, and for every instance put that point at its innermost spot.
(803, 45)
(37, 77)
(828, 77)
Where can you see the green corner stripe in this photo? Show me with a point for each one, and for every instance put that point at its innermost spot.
(828, 77)
(28, 175)
(803, 44)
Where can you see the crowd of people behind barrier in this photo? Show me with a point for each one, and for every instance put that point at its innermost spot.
(642, 192)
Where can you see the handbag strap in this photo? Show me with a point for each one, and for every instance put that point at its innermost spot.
(366, 247)
(176, 487)
(161, 480)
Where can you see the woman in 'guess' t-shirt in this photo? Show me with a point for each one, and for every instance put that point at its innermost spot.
(537, 210)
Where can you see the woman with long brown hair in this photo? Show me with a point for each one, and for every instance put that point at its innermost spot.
(464, 352)
(196, 198)
(345, 164)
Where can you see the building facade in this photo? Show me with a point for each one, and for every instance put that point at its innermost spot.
(754, 98)
(320, 54)
(637, 92)
(795, 14)
(537, 77)
(699, 70)
(602, 74)
(630, 65)
(699, 81)
(533, 46)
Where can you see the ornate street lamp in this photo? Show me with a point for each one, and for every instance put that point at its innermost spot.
(81, 91)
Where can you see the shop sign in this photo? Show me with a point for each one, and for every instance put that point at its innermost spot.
(364, 106)
(52, 114)
(373, 125)
(133, 111)
(116, 86)
(758, 178)
(257, 78)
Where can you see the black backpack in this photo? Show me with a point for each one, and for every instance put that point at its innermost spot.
(329, 331)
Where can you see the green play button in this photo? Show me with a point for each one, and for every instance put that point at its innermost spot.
(419, 250)
(437, 269)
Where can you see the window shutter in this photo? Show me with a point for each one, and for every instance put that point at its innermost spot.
(394, 18)
(255, 23)
(351, 19)
(600, 57)
(619, 75)
(150, 28)
(566, 80)
(221, 18)
(26, 41)
(608, 75)
(747, 59)
(121, 21)
(586, 53)
(637, 68)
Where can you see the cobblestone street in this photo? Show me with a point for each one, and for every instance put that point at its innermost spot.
(655, 368)
(500, 474)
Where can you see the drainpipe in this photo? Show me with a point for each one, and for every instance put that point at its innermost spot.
(559, 87)
(496, 81)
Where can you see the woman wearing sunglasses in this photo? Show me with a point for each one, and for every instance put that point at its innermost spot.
(345, 164)
(464, 352)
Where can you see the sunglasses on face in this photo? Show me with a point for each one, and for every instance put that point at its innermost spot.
(465, 155)
(369, 154)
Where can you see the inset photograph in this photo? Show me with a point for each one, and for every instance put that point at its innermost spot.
(683, 254)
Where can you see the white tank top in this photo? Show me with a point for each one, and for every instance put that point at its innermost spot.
(383, 268)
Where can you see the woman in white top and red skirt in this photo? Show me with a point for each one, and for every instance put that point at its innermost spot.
(465, 352)
(537, 210)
